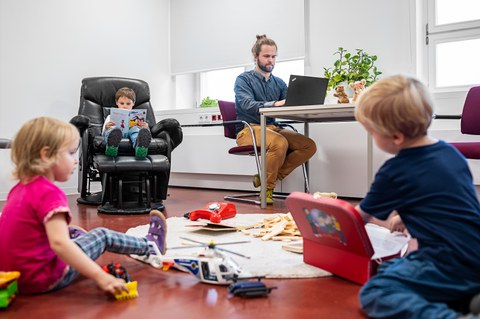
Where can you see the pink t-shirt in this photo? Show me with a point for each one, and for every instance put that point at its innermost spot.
(24, 243)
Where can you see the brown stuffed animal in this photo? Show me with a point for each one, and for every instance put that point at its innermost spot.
(357, 87)
(340, 93)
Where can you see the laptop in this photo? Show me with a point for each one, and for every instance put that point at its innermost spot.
(336, 240)
(306, 90)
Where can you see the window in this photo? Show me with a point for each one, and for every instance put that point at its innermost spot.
(453, 44)
(219, 84)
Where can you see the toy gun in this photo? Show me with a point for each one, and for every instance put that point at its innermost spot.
(8, 287)
(214, 211)
(118, 271)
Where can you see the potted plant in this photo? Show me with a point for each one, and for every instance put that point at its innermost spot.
(208, 102)
(349, 68)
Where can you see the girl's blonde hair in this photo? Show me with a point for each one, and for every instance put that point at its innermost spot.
(32, 137)
(396, 104)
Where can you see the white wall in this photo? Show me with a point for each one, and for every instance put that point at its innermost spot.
(48, 46)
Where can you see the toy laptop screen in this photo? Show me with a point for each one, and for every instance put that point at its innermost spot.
(336, 223)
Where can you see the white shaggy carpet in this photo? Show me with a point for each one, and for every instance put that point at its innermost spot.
(267, 258)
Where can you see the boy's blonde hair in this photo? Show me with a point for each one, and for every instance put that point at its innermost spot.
(32, 137)
(126, 92)
(396, 104)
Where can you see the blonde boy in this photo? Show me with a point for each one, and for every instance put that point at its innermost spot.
(429, 184)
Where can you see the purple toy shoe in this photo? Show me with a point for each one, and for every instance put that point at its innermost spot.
(76, 231)
(157, 234)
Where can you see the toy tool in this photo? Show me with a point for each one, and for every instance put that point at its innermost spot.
(8, 287)
(214, 211)
(119, 271)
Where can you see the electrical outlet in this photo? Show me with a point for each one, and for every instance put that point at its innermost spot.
(204, 118)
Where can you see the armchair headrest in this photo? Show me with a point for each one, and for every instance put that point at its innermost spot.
(101, 90)
(98, 93)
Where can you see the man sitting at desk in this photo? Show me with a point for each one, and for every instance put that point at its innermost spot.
(285, 149)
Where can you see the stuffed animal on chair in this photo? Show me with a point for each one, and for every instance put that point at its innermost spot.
(341, 94)
(358, 87)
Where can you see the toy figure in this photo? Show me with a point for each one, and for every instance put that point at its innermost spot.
(358, 87)
(341, 94)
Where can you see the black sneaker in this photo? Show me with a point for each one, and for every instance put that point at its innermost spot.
(143, 141)
(113, 141)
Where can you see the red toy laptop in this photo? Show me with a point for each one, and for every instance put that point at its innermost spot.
(335, 238)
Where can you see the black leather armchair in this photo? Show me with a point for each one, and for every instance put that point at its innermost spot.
(129, 185)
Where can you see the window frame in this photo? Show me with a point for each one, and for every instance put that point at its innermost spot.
(444, 33)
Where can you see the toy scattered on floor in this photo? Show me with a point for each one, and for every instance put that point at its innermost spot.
(358, 88)
(250, 288)
(8, 287)
(119, 271)
(210, 265)
(341, 94)
(317, 195)
(280, 227)
(214, 211)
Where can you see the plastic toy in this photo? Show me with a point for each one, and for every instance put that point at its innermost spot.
(210, 265)
(214, 211)
(250, 288)
(8, 287)
(119, 271)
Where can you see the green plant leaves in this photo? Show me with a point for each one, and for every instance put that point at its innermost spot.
(352, 67)
(208, 102)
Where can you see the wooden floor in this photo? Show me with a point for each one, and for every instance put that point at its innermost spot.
(174, 294)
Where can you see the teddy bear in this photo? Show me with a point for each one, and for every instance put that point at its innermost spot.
(341, 94)
(358, 87)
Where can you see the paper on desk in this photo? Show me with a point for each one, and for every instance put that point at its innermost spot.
(384, 242)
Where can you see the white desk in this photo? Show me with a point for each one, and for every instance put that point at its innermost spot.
(308, 114)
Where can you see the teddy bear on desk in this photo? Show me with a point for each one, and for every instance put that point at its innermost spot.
(358, 87)
(341, 94)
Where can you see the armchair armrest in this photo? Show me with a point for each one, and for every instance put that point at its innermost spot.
(5, 143)
(81, 122)
(170, 127)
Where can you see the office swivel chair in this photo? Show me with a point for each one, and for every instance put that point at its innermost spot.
(229, 117)
(469, 123)
(129, 185)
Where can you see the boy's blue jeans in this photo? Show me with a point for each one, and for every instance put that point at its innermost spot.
(411, 287)
(132, 134)
(97, 241)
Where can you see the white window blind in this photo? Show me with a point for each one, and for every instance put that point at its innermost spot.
(215, 34)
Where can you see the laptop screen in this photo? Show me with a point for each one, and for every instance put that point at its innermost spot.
(306, 90)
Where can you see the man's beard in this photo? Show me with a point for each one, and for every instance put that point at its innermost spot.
(265, 68)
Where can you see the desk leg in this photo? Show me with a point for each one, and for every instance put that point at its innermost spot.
(306, 132)
(263, 166)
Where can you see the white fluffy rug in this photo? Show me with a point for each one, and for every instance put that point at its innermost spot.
(267, 258)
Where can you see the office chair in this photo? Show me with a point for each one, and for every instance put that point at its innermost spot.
(469, 123)
(129, 185)
(229, 118)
